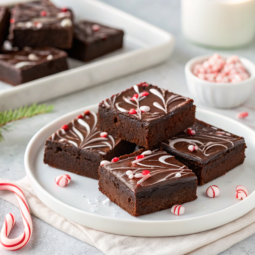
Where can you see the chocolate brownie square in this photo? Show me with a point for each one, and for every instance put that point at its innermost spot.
(41, 24)
(79, 147)
(18, 67)
(209, 151)
(92, 40)
(146, 115)
(164, 183)
(4, 24)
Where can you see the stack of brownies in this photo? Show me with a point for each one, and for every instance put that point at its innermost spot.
(146, 148)
(41, 36)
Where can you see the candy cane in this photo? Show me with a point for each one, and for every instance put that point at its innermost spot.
(22, 240)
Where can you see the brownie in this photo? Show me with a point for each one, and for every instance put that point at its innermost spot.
(4, 24)
(164, 183)
(18, 67)
(217, 151)
(146, 115)
(79, 147)
(41, 24)
(92, 40)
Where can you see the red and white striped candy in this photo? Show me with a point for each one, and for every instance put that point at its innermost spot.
(178, 210)
(103, 134)
(213, 191)
(18, 242)
(63, 180)
(242, 115)
(192, 148)
(241, 192)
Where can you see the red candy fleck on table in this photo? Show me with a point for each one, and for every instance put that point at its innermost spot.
(12, 21)
(191, 131)
(145, 94)
(116, 159)
(43, 13)
(79, 117)
(213, 191)
(145, 172)
(178, 210)
(63, 180)
(241, 192)
(192, 148)
(242, 115)
(219, 70)
(134, 97)
(103, 134)
(87, 112)
(18, 242)
(139, 157)
(65, 127)
(132, 111)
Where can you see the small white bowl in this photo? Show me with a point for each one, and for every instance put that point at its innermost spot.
(220, 95)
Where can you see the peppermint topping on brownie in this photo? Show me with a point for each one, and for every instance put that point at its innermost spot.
(82, 133)
(148, 170)
(145, 102)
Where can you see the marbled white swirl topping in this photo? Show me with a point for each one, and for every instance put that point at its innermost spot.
(163, 168)
(83, 134)
(209, 141)
(146, 102)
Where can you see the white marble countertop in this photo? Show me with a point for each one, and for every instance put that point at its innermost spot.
(170, 75)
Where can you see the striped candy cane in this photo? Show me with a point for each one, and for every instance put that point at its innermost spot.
(22, 240)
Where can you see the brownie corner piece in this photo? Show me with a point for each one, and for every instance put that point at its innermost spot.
(17, 67)
(79, 147)
(92, 40)
(215, 152)
(164, 183)
(146, 114)
(4, 24)
(41, 24)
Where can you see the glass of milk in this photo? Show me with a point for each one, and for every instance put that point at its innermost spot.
(219, 23)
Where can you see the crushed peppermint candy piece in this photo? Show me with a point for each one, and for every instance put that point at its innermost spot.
(66, 23)
(178, 175)
(104, 162)
(241, 192)
(116, 159)
(213, 191)
(38, 25)
(49, 57)
(178, 210)
(145, 172)
(103, 134)
(192, 148)
(134, 97)
(139, 157)
(33, 57)
(65, 127)
(148, 152)
(132, 111)
(191, 131)
(80, 117)
(131, 176)
(145, 108)
(145, 94)
(129, 172)
(242, 115)
(95, 27)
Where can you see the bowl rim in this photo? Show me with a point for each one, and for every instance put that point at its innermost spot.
(249, 66)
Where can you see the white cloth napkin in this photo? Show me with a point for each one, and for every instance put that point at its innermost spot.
(208, 242)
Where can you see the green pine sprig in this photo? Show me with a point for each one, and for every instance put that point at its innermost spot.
(9, 116)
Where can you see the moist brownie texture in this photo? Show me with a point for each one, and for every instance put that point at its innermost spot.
(30, 64)
(165, 182)
(146, 115)
(40, 24)
(217, 151)
(92, 40)
(4, 24)
(79, 147)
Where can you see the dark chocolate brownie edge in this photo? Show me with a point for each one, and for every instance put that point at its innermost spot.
(72, 159)
(4, 26)
(215, 168)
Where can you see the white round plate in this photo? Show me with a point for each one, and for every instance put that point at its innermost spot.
(83, 203)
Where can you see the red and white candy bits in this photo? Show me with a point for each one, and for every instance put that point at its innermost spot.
(116, 159)
(178, 210)
(18, 242)
(103, 134)
(63, 180)
(191, 131)
(213, 191)
(220, 70)
(192, 148)
(242, 115)
(241, 192)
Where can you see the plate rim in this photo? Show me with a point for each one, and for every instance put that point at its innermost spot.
(38, 188)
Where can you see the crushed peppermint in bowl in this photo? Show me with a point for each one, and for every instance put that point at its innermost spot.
(221, 81)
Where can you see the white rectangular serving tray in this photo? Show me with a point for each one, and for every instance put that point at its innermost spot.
(144, 46)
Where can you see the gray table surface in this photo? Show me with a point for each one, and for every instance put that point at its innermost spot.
(164, 14)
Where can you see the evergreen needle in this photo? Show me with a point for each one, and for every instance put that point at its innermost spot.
(23, 112)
